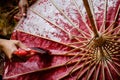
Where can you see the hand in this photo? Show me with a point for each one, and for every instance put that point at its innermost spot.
(23, 5)
(10, 46)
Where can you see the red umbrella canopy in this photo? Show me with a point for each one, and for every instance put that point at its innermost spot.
(83, 37)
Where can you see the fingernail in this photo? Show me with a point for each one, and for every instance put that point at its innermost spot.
(24, 15)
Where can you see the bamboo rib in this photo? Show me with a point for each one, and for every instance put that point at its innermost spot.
(109, 33)
(87, 45)
(112, 24)
(94, 29)
(76, 69)
(107, 52)
(109, 71)
(102, 28)
(80, 73)
(79, 60)
(93, 12)
(46, 39)
(66, 53)
(70, 35)
(98, 70)
(83, 18)
(75, 56)
(50, 21)
(116, 59)
(114, 68)
(81, 42)
(40, 70)
(103, 71)
(77, 27)
(88, 78)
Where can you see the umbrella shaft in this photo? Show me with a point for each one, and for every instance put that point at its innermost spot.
(89, 13)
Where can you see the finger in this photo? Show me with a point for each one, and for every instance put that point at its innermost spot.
(9, 52)
(24, 10)
(20, 45)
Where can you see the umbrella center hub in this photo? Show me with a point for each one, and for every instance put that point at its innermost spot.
(99, 41)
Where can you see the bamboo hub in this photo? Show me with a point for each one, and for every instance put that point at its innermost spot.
(99, 50)
(99, 41)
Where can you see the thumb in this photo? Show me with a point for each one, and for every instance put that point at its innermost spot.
(20, 45)
(9, 52)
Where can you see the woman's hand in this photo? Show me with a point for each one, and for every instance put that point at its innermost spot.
(10, 46)
(23, 6)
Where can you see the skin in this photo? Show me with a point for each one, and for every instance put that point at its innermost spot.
(23, 5)
(10, 46)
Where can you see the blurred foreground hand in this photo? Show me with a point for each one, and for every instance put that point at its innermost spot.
(10, 46)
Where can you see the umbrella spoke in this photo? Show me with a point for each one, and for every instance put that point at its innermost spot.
(109, 28)
(97, 70)
(76, 69)
(93, 12)
(48, 39)
(80, 60)
(116, 59)
(115, 69)
(112, 30)
(113, 37)
(72, 58)
(108, 70)
(113, 43)
(40, 70)
(83, 18)
(80, 73)
(89, 45)
(89, 74)
(75, 26)
(96, 53)
(81, 37)
(76, 55)
(81, 42)
(80, 48)
(102, 28)
(68, 33)
(94, 27)
(103, 70)
(107, 53)
(69, 55)
(70, 36)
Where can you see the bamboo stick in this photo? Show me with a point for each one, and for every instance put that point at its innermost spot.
(75, 26)
(105, 16)
(73, 71)
(110, 73)
(83, 18)
(112, 24)
(94, 29)
(80, 71)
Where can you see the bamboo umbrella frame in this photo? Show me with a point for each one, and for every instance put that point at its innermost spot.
(100, 46)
